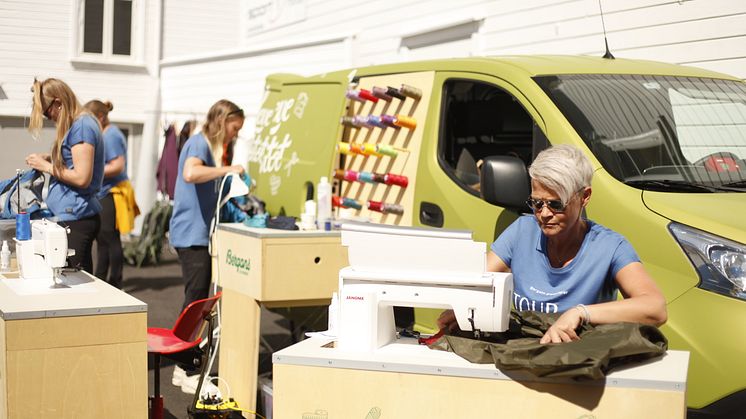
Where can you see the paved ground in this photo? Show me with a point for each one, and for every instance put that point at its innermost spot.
(162, 289)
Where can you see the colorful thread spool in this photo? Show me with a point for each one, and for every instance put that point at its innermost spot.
(386, 150)
(410, 91)
(398, 180)
(380, 93)
(344, 148)
(345, 202)
(354, 95)
(385, 208)
(367, 95)
(394, 92)
(405, 121)
(348, 175)
(366, 177)
(375, 206)
(349, 121)
(389, 120)
(370, 149)
(23, 226)
(376, 121)
(362, 121)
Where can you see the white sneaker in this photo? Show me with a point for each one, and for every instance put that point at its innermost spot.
(178, 377)
(189, 383)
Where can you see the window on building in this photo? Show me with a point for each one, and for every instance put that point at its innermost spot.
(108, 30)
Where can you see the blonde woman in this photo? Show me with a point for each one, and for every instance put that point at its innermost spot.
(117, 198)
(196, 195)
(76, 165)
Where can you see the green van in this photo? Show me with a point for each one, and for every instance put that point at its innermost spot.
(668, 143)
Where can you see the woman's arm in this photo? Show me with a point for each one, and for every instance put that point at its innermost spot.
(114, 167)
(195, 171)
(79, 176)
(643, 303)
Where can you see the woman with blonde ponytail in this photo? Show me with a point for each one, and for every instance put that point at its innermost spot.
(76, 165)
(196, 194)
(117, 197)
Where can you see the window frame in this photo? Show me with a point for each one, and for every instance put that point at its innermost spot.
(107, 58)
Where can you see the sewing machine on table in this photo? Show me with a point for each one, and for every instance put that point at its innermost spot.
(415, 267)
(44, 256)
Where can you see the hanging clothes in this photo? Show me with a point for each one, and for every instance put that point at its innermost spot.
(168, 165)
(126, 208)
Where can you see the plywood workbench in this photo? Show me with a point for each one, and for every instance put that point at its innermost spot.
(75, 351)
(272, 268)
(405, 380)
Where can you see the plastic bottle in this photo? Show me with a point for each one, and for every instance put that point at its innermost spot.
(324, 203)
(5, 257)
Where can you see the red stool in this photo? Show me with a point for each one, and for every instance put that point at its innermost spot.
(183, 337)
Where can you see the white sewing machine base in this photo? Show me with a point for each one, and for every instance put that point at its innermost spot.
(406, 380)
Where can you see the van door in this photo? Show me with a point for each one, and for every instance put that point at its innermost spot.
(295, 137)
(472, 117)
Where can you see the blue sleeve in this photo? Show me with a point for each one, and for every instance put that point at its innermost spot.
(200, 150)
(624, 254)
(504, 245)
(114, 144)
(84, 130)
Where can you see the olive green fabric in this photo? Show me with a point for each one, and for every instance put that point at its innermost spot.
(599, 349)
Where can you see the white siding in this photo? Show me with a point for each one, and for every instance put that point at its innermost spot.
(198, 26)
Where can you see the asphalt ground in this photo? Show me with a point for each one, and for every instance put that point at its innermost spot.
(161, 287)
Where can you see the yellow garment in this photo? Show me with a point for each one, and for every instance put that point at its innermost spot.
(125, 206)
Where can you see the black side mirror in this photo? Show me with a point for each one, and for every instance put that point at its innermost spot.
(505, 182)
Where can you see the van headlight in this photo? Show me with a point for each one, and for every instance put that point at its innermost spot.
(720, 263)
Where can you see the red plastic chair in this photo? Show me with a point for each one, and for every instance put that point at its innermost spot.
(184, 336)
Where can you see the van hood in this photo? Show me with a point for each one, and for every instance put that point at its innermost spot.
(718, 213)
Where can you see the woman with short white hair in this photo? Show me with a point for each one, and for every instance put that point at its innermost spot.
(564, 263)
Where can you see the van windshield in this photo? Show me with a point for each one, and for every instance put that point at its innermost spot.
(679, 134)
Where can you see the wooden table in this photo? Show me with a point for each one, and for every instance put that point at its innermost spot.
(405, 380)
(78, 351)
(272, 268)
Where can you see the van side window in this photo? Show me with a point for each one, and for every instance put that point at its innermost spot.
(480, 120)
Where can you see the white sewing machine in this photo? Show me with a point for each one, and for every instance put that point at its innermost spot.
(45, 254)
(415, 267)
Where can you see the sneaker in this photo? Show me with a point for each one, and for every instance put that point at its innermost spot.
(178, 377)
(189, 383)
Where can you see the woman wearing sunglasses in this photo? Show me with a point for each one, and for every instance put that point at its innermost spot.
(564, 263)
(76, 165)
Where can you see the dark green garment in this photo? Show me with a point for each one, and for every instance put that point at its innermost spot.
(599, 349)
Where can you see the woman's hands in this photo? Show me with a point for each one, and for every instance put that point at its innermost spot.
(563, 329)
(447, 321)
(40, 162)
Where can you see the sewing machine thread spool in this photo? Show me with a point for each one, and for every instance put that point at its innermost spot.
(380, 93)
(23, 226)
(343, 148)
(367, 95)
(387, 150)
(411, 91)
(349, 121)
(405, 121)
(354, 95)
(391, 179)
(389, 120)
(394, 92)
(366, 177)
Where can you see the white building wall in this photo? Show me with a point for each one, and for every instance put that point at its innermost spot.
(199, 27)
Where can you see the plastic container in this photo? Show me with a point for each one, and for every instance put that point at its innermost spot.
(5, 257)
(323, 202)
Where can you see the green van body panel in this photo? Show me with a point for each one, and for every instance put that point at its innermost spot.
(707, 324)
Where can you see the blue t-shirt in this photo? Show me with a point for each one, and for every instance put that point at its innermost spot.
(194, 203)
(587, 279)
(69, 203)
(115, 146)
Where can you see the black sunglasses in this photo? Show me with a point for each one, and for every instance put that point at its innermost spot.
(554, 205)
(46, 111)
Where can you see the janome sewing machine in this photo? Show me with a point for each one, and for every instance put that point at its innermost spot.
(414, 267)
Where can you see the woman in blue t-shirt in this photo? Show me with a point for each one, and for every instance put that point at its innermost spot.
(196, 195)
(76, 165)
(564, 263)
(109, 257)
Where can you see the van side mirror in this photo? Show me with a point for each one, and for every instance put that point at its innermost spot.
(505, 182)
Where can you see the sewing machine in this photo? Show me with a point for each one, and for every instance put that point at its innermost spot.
(45, 254)
(415, 267)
